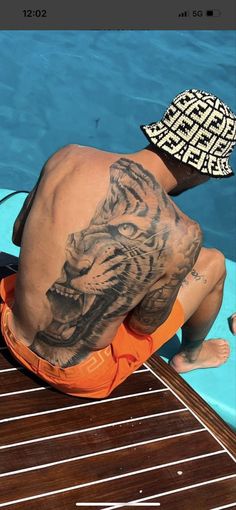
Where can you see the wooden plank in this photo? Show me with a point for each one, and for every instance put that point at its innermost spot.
(204, 497)
(12, 406)
(87, 416)
(190, 398)
(97, 440)
(114, 449)
(23, 380)
(98, 467)
(7, 259)
(18, 381)
(7, 361)
(125, 488)
(2, 342)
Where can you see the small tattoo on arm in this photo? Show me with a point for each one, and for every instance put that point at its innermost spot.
(198, 277)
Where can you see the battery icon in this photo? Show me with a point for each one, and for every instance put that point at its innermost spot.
(213, 12)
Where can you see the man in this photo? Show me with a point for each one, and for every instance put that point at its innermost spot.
(110, 267)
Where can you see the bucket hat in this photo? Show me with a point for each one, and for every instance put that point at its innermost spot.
(198, 129)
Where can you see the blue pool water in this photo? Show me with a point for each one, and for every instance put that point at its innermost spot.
(96, 88)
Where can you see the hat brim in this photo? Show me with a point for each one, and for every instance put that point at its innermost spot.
(160, 136)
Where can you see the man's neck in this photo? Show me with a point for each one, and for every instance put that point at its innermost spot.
(151, 161)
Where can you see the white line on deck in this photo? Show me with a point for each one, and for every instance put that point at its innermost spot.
(3, 348)
(2, 370)
(11, 268)
(111, 478)
(90, 429)
(194, 414)
(40, 388)
(224, 506)
(87, 404)
(101, 452)
(181, 489)
(149, 505)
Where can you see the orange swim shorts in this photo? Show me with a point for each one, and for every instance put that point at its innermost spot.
(101, 371)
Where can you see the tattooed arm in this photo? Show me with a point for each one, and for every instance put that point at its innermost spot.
(157, 304)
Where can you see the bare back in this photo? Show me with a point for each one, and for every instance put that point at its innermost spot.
(102, 238)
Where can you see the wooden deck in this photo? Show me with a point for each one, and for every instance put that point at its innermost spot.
(153, 443)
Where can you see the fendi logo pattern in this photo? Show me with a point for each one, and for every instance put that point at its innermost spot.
(198, 129)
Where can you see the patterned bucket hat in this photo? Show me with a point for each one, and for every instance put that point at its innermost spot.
(197, 129)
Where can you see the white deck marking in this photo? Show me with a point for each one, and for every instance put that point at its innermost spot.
(224, 506)
(149, 505)
(90, 429)
(141, 371)
(196, 416)
(96, 454)
(11, 268)
(3, 348)
(40, 388)
(181, 489)
(109, 479)
(2, 370)
(87, 404)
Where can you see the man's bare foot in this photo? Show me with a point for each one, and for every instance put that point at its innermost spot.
(213, 353)
(232, 323)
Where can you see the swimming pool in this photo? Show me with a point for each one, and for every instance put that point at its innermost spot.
(96, 88)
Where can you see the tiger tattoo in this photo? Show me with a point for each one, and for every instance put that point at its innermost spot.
(109, 265)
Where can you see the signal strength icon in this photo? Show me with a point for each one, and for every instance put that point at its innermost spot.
(184, 14)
